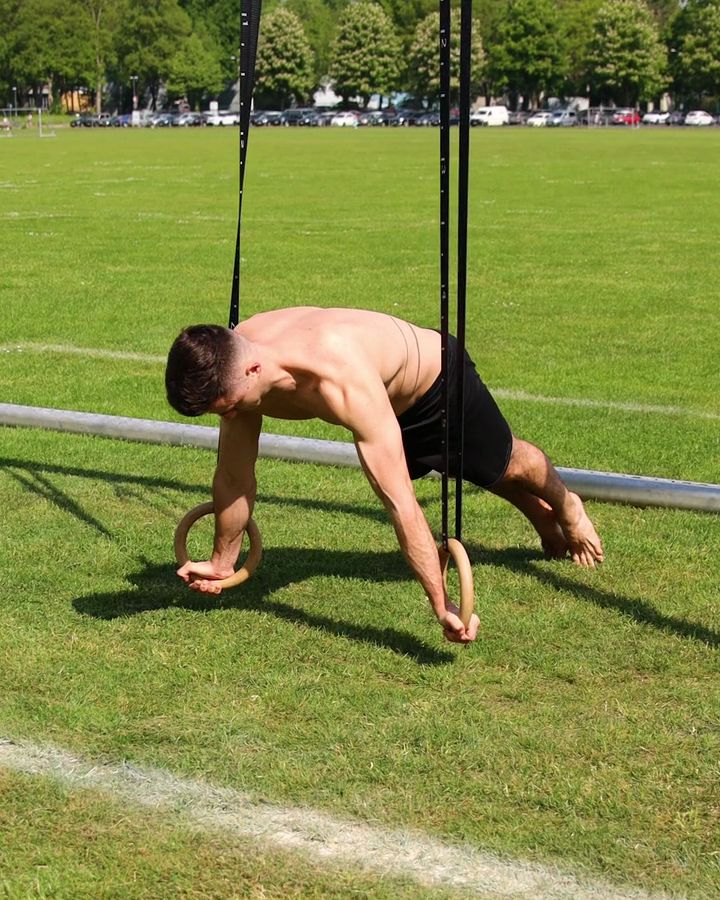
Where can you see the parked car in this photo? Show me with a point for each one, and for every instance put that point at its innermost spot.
(378, 118)
(598, 116)
(490, 116)
(517, 117)
(655, 117)
(699, 117)
(300, 116)
(676, 118)
(539, 119)
(123, 121)
(370, 117)
(625, 117)
(406, 117)
(190, 120)
(344, 120)
(163, 120)
(325, 118)
(222, 118)
(84, 120)
(563, 118)
(428, 119)
(266, 117)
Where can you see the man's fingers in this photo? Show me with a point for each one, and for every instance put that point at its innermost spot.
(457, 633)
(196, 573)
(454, 637)
(205, 587)
(472, 628)
(184, 572)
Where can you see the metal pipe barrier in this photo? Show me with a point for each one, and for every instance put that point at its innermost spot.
(611, 487)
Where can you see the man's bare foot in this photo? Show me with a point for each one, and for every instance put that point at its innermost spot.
(583, 541)
(554, 542)
(555, 547)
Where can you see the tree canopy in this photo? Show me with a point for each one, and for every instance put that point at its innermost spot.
(626, 51)
(530, 55)
(285, 61)
(627, 60)
(695, 50)
(423, 70)
(365, 57)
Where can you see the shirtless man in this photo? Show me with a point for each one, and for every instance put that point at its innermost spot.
(378, 376)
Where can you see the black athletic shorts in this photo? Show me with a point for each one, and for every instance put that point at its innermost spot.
(488, 439)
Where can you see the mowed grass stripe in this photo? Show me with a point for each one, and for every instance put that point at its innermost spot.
(90, 352)
(500, 392)
(313, 833)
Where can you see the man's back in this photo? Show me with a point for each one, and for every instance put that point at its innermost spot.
(347, 346)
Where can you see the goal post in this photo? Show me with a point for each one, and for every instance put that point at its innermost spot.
(24, 120)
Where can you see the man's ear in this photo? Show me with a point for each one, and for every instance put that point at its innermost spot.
(253, 370)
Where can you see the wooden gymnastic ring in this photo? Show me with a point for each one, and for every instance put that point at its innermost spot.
(252, 531)
(467, 592)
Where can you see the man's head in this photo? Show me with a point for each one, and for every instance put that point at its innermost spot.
(200, 368)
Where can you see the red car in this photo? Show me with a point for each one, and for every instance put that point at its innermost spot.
(626, 117)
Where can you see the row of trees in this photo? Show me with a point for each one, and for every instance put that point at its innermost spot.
(618, 50)
(622, 51)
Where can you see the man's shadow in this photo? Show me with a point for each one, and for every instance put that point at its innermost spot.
(158, 587)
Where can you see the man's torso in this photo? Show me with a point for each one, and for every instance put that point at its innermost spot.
(328, 350)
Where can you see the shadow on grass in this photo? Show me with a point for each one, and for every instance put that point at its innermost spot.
(36, 481)
(642, 612)
(288, 565)
(126, 481)
(157, 587)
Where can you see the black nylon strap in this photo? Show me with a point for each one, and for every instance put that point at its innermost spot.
(463, 180)
(463, 184)
(445, 250)
(249, 32)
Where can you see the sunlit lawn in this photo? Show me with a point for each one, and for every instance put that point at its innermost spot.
(582, 727)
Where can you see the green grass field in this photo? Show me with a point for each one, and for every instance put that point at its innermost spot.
(582, 727)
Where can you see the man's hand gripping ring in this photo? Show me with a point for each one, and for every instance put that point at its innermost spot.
(252, 531)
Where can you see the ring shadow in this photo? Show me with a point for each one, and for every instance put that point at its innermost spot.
(157, 587)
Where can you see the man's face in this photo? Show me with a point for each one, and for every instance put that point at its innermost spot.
(244, 395)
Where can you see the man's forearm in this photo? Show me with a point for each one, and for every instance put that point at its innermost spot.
(233, 508)
(420, 550)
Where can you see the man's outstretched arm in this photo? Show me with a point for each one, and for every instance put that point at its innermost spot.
(366, 410)
(234, 489)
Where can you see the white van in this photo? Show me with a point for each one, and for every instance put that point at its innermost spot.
(490, 115)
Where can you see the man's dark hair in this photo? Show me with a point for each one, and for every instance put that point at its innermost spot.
(199, 368)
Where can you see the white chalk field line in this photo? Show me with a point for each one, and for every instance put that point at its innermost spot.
(499, 392)
(70, 350)
(617, 405)
(315, 834)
